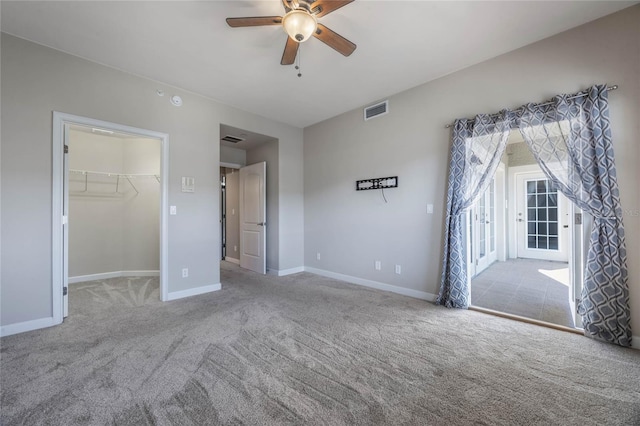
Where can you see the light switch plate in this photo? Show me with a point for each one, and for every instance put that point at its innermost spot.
(173, 210)
(188, 184)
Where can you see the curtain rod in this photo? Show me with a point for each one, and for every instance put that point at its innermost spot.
(614, 87)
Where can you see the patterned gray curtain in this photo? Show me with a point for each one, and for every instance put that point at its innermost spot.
(477, 148)
(571, 140)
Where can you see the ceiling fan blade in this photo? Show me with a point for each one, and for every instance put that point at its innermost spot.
(334, 40)
(290, 52)
(256, 21)
(325, 7)
(288, 5)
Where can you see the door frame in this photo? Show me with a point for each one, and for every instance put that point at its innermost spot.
(59, 246)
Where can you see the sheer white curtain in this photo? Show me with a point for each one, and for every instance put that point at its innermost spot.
(477, 148)
(571, 140)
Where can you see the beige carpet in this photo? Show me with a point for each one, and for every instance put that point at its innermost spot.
(304, 349)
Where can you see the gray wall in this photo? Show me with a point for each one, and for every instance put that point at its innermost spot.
(95, 216)
(290, 202)
(519, 154)
(141, 213)
(233, 155)
(37, 80)
(268, 152)
(109, 231)
(352, 229)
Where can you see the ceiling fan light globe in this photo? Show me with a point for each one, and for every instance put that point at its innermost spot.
(299, 25)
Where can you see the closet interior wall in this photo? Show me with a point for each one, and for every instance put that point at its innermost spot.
(114, 220)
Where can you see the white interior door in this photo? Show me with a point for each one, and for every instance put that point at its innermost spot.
(253, 217)
(65, 225)
(542, 220)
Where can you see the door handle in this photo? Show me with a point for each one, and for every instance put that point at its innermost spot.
(565, 226)
(520, 220)
(262, 223)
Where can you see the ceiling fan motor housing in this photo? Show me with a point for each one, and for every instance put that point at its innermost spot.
(299, 24)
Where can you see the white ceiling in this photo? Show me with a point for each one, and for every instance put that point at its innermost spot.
(401, 44)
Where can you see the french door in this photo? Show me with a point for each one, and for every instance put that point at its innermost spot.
(542, 219)
(483, 227)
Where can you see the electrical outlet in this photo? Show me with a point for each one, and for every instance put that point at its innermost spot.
(235, 248)
(185, 272)
(398, 269)
(429, 208)
(378, 265)
(318, 256)
(173, 210)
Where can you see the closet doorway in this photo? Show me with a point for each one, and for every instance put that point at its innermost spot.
(110, 198)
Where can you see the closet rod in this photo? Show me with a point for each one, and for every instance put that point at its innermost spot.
(127, 176)
(614, 87)
(124, 175)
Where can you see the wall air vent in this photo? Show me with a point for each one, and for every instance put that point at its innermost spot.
(232, 139)
(376, 110)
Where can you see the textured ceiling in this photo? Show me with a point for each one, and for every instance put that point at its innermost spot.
(401, 44)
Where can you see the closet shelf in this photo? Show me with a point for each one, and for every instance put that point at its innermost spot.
(118, 176)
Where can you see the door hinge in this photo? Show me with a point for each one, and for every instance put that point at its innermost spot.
(578, 219)
(66, 149)
(476, 262)
(65, 290)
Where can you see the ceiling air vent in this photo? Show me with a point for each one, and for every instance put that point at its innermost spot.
(232, 139)
(376, 110)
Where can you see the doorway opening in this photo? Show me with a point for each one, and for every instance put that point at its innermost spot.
(230, 213)
(248, 199)
(525, 251)
(109, 203)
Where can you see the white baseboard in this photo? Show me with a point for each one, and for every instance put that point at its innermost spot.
(115, 274)
(21, 327)
(283, 272)
(374, 284)
(232, 260)
(174, 295)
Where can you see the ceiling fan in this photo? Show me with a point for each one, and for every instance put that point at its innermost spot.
(301, 22)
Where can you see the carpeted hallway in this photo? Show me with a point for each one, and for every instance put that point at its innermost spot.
(536, 289)
(304, 349)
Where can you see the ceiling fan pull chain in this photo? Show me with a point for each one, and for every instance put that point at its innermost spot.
(298, 60)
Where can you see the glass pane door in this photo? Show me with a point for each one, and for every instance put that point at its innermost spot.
(485, 228)
(542, 215)
(542, 219)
